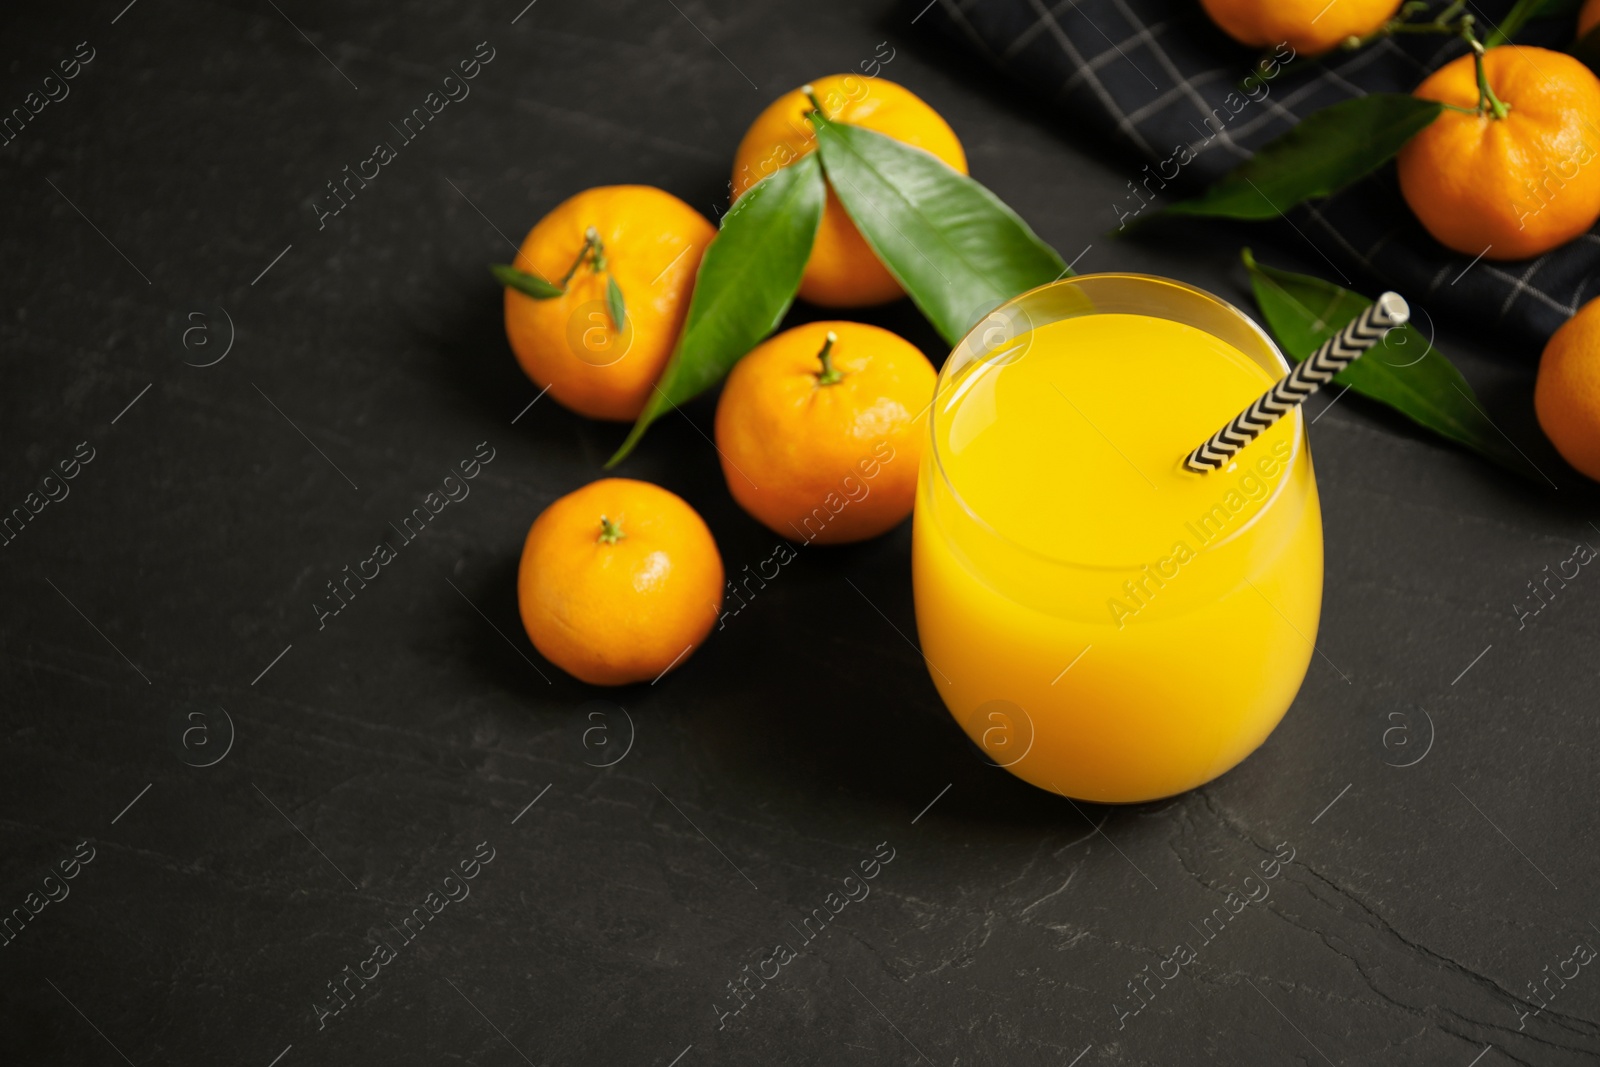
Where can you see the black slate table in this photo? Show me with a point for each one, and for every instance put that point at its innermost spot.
(248, 389)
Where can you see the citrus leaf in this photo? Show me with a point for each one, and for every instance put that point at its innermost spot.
(525, 283)
(956, 249)
(614, 302)
(1524, 10)
(746, 282)
(1403, 372)
(1327, 151)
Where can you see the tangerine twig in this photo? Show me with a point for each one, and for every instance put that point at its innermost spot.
(1487, 101)
(589, 239)
(811, 95)
(830, 374)
(1440, 23)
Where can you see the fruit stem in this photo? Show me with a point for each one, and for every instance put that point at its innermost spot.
(830, 374)
(1401, 23)
(1487, 101)
(811, 95)
(583, 254)
(592, 250)
(592, 235)
(610, 532)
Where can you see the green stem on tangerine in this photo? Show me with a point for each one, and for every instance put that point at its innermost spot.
(583, 254)
(1487, 101)
(598, 262)
(1400, 23)
(830, 374)
(593, 250)
(811, 95)
(610, 532)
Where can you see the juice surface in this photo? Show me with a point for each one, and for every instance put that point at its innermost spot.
(1103, 623)
(1075, 449)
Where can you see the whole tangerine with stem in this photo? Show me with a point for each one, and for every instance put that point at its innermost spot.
(1566, 395)
(821, 430)
(619, 582)
(641, 241)
(843, 271)
(1507, 170)
(1310, 27)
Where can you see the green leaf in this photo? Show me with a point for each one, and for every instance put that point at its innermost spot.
(1327, 151)
(1524, 10)
(525, 283)
(614, 302)
(952, 244)
(746, 282)
(1404, 372)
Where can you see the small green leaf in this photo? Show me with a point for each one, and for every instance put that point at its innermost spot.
(952, 244)
(614, 303)
(525, 283)
(1524, 10)
(1327, 151)
(1404, 372)
(746, 282)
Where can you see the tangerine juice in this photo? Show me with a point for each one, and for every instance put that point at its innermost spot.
(1102, 622)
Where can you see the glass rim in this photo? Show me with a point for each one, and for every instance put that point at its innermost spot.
(1282, 367)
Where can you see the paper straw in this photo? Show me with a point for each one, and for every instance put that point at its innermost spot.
(1337, 353)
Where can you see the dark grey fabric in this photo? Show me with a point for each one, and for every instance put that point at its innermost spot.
(1157, 76)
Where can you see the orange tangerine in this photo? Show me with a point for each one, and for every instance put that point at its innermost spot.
(645, 240)
(1514, 185)
(619, 582)
(843, 270)
(1566, 395)
(821, 430)
(1310, 27)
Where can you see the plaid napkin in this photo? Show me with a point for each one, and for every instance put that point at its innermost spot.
(1158, 76)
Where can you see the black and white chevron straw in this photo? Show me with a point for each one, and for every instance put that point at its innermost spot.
(1317, 370)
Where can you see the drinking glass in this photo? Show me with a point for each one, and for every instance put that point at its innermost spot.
(1024, 642)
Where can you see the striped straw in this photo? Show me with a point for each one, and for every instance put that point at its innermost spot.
(1312, 373)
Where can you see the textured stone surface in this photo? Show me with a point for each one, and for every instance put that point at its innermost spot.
(379, 752)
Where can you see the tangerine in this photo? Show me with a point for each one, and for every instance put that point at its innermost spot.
(1588, 17)
(1310, 27)
(619, 582)
(1566, 395)
(820, 430)
(1505, 173)
(649, 244)
(843, 271)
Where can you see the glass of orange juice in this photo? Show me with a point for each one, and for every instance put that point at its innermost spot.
(1100, 621)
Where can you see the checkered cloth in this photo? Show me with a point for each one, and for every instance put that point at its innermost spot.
(1156, 75)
